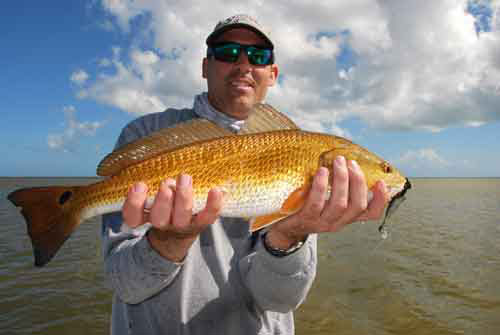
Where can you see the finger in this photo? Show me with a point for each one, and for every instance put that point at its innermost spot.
(357, 186)
(183, 202)
(315, 201)
(162, 206)
(212, 209)
(133, 207)
(339, 198)
(358, 193)
(376, 206)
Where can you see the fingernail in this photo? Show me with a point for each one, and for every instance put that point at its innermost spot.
(140, 188)
(185, 180)
(222, 190)
(339, 160)
(322, 171)
(354, 164)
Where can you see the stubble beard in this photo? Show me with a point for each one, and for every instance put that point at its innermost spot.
(239, 104)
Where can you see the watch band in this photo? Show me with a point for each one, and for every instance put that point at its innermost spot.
(281, 252)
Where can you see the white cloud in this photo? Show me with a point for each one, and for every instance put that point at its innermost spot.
(73, 132)
(495, 24)
(413, 64)
(123, 10)
(144, 58)
(104, 62)
(145, 84)
(431, 161)
(423, 157)
(79, 77)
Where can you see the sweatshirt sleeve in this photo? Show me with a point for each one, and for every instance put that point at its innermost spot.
(134, 270)
(280, 284)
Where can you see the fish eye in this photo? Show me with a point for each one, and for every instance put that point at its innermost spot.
(386, 167)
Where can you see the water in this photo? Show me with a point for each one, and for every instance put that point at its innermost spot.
(438, 272)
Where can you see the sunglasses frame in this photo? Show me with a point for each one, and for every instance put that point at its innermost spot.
(241, 47)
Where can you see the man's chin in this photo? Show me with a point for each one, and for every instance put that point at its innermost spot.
(241, 108)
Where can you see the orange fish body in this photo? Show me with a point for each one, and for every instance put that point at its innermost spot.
(264, 176)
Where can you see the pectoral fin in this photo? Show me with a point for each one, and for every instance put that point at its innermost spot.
(265, 220)
(291, 205)
(295, 200)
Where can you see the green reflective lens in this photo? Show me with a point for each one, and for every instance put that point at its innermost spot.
(259, 56)
(229, 53)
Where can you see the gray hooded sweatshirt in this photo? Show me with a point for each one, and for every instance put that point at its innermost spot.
(227, 284)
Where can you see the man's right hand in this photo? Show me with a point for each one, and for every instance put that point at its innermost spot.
(174, 228)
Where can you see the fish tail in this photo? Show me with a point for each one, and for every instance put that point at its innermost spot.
(50, 216)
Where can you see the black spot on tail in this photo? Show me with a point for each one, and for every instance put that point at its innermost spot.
(65, 197)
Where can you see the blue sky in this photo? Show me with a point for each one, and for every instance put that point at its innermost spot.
(422, 93)
(43, 45)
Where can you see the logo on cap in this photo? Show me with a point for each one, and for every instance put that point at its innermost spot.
(242, 18)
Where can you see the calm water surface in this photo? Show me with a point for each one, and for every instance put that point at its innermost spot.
(437, 273)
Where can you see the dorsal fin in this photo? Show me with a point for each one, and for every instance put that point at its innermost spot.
(263, 118)
(158, 142)
(266, 118)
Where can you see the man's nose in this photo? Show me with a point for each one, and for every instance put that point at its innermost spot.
(242, 60)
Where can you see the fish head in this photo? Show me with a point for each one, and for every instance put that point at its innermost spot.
(373, 167)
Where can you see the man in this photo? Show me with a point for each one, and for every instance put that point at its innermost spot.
(185, 274)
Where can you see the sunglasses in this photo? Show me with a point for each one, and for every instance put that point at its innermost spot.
(229, 52)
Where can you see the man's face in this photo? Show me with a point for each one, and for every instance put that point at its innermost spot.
(234, 88)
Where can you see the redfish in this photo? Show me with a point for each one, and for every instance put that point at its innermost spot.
(265, 175)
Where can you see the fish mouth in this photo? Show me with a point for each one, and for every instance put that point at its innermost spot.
(394, 203)
(405, 189)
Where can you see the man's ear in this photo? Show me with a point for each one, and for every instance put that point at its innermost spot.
(273, 74)
(204, 68)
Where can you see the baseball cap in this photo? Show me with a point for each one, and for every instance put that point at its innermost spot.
(243, 21)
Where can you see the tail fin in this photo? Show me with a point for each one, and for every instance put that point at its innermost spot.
(50, 215)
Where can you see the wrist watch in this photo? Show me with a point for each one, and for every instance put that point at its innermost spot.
(278, 252)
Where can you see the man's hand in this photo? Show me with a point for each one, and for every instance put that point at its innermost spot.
(348, 203)
(174, 228)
